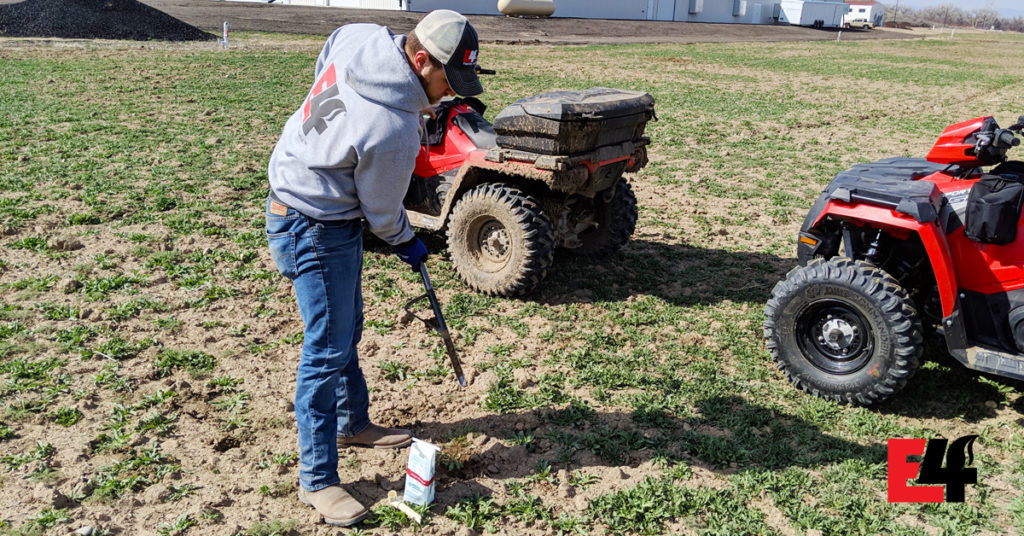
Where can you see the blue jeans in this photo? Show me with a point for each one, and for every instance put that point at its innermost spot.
(324, 260)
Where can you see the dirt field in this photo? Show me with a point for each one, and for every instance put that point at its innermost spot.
(132, 254)
(210, 15)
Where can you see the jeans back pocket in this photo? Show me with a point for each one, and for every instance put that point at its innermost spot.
(282, 249)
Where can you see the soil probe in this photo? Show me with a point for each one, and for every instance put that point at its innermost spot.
(439, 326)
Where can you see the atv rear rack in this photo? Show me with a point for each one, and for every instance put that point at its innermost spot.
(600, 156)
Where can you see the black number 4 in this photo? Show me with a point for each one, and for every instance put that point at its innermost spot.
(321, 106)
(954, 475)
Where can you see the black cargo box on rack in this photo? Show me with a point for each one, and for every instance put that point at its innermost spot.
(569, 122)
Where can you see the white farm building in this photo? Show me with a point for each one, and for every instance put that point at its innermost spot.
(819, 13)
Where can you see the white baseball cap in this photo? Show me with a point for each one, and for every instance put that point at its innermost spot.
(452, 40)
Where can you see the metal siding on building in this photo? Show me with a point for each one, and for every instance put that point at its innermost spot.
(721, 11)
(715, 11)
(602, 9)
(663, 9)
(467, 7)
(400, 5)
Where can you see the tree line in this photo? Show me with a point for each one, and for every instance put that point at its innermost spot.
(984, 18)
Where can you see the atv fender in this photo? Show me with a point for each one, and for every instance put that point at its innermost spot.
(931, 235)
(890, 183)
(475, 171)
(569, 175)
(809, 242)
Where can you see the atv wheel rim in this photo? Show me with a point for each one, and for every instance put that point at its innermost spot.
(834, 337)
(494, 242)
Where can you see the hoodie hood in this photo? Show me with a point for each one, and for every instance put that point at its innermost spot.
(379, 71)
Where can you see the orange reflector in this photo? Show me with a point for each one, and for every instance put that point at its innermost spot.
(808, 240)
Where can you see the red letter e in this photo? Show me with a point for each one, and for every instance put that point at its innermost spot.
(900, 470)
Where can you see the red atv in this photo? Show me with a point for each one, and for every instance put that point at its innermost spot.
(548, 173)
(899, 246)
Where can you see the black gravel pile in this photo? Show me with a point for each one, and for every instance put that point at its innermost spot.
(94, 19)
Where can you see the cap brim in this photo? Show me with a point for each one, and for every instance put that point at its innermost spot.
(463, 81)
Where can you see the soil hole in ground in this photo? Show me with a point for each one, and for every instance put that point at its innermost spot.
(226, 443)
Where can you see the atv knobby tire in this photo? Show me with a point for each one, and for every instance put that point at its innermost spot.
(614, 222)
(500, 241)
(843, 330)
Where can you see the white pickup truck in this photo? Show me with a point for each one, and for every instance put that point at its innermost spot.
(860, 24)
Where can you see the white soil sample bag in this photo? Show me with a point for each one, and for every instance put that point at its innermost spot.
(419, 474)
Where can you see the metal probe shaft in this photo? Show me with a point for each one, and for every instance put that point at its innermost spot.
(442, 328)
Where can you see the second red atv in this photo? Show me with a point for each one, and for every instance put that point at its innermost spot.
(897, 247)
(548, 173)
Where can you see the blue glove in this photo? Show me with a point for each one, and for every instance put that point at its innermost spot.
(413, 253)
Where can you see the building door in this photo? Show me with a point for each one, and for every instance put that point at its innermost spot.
(661, 9)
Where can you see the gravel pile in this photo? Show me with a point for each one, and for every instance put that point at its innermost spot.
(94, 19)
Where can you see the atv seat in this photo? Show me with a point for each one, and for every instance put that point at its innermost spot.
(477, 129)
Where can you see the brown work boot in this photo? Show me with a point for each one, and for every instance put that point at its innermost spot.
(378, 437)
(335, 504)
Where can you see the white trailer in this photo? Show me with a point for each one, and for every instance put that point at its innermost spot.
(813, 13)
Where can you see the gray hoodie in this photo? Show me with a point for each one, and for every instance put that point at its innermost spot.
(349, 151)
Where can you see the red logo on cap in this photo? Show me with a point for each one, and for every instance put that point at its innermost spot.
(469, 58)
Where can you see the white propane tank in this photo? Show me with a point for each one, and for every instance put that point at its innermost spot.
(527, 8)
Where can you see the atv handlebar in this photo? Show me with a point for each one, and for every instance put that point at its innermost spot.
(993, 142)
(1005, 138)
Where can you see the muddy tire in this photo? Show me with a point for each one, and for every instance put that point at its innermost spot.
(500, 241)
(614, 221)
(843, 330)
